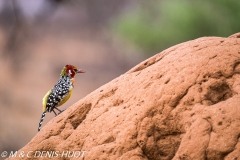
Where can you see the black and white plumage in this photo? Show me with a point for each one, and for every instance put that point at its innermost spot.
(60, 92)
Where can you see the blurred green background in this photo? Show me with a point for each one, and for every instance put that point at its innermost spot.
(154, 26)
(106, 38)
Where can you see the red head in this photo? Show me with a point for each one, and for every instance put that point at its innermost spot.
(71, 71)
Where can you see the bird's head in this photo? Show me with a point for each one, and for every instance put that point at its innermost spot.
(71, 71)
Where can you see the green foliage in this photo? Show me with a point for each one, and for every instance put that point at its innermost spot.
(156, 25)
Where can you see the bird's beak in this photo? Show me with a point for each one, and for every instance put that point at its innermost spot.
(80, 71)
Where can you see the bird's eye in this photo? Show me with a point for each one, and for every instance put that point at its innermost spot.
(75, 69)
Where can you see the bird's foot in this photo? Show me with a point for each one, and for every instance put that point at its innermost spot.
(60, 112)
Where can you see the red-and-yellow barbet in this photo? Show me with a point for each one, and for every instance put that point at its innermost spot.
(60, 92)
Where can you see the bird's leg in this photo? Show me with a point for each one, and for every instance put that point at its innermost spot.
(59, 110)
(55, 113)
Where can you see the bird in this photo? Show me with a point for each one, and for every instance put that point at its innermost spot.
(60, 92)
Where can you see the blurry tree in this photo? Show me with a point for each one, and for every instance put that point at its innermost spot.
(156, 25)
(22, 21)
(98, 13)
(18, 30)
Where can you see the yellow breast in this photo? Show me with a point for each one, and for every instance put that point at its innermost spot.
(66, 97)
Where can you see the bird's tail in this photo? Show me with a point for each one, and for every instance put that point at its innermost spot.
(41, 120)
